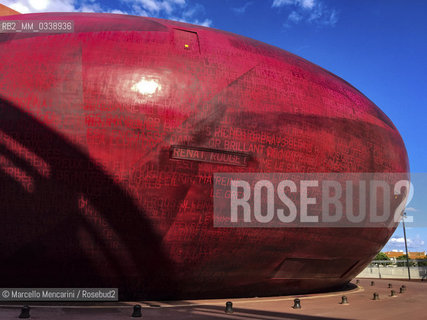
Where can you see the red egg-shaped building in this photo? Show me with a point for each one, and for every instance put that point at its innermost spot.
(93, 196)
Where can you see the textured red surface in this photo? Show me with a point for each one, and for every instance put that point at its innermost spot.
(91, 195)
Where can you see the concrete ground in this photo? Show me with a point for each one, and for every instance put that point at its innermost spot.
(408, 305)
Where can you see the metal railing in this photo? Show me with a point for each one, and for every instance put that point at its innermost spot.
(396, 269)
(399, 263)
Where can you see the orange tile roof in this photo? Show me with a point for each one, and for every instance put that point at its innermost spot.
(412, 255)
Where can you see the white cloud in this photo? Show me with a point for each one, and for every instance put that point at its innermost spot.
(91, 7)
(306, 4)
(413, 243)
(191, 15)
(39, 4)
(411, 209)
(181, 10)
(19, 7)
(281, 3)
(205, 23)
(194, 10)
(29, 6)
(150, 5)
(139, 11)
(158, 6)
(118, 12)
(295, 17)
(242, 9)
(397, 240)
(310, 11)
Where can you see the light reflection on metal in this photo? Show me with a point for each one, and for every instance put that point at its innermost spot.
(147, 86)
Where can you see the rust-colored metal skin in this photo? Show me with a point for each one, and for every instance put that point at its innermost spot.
(96, 187)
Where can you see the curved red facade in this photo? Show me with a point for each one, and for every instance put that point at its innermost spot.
(91, 195)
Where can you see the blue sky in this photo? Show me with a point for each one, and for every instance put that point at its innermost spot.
(379, 46)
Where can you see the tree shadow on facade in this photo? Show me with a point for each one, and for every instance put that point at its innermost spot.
(45, 238)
